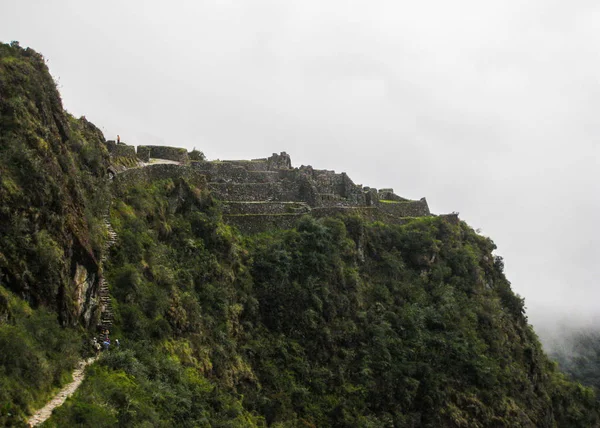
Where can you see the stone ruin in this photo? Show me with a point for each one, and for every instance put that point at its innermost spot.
(177, 154)
(260, 194)
(144, 153)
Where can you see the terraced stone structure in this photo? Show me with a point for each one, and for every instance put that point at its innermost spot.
(122, 157)
(144, 153)
(121, 151)
(259, 194)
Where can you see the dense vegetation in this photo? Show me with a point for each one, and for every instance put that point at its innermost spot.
(52, 194)
(416, 327)
(336, 322)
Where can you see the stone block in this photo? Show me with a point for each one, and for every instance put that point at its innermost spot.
(176, 154)
(143, 153)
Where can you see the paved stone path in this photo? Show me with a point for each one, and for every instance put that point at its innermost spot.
(78, 375)
(154, 161)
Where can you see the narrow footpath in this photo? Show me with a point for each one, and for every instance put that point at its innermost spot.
(106, 319)
(78, 375)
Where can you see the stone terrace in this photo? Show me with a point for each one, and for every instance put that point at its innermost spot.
(262, 193)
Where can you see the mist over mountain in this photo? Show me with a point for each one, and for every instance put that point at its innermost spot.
(575, 345)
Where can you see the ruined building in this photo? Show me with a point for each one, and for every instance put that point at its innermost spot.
(259, 194)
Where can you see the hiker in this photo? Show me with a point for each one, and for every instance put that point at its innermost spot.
(118, 139)
(96, 346)
(117, 344)
(106, 344)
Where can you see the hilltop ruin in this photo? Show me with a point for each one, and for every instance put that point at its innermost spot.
(259, 194)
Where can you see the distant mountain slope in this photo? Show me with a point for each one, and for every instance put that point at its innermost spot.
(578, 354)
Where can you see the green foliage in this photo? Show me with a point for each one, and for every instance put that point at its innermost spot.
(196, 155)
(52, 193)
(294, 328)
(52, 185)
(335, 322)
(36, 355)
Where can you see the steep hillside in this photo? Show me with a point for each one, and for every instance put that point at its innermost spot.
(333, 323)
(337, 321)
(52, 195)
(52, 188)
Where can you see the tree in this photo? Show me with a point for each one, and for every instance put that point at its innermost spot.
(197, 155)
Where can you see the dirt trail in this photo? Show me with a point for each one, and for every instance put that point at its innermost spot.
(106, 321)
(78, 375)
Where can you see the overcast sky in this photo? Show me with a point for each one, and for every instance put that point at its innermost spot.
(490, 109)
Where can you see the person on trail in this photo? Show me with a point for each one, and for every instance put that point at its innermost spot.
(117, 343)
(106, 344)
(118, 139)
(96, 346)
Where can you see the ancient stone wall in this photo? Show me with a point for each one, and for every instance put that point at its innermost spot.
(352, 192)
(451, 218)
(264, 176)
(152, 173)
(250, 165)
(334, 189)
(327, 182)
(371, 196)
(279, 161)
(122, 156)
(405, 208)
(176, 154)
(254, 192)
(224, 172)
(247, 207)
(272, 163)
(267, 193)
(143, 153)
(389, 195)
(123, 150)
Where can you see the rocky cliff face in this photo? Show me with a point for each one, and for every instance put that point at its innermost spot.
(52, 191)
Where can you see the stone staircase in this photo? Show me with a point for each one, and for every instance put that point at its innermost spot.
(106, 310)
